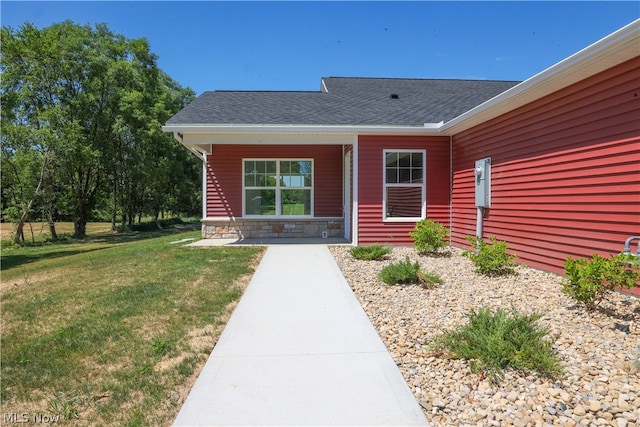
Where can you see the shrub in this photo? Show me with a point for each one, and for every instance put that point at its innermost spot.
(406, 272)
(429, 236)
(369, 253)
(400, 272)
(429, 280)
(491, 259)
(494, 342)
(7, 244)
(590, 281)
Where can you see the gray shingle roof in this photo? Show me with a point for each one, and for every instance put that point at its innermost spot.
(347, 101)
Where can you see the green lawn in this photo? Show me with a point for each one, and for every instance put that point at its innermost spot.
(111, 330)
(293, 208)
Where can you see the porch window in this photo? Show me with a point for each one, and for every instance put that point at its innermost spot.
(278, 187)
(404, 193)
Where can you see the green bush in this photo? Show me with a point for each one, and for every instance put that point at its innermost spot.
(491, 259)
(369, 253)
(400, 272)
(494, 342)
(405, 272)
(429, 280)
(7, 244)
(429, 236)
(590, 281)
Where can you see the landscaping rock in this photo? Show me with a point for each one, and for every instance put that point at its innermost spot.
(602, 364)
(579, 410)
(594, 406)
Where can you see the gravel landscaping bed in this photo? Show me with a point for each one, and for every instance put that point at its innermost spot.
(600, 351)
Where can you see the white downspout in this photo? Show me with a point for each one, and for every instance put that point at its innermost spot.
(450, 190)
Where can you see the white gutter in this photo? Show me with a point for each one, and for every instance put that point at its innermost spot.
(426, 129)
(435, 126)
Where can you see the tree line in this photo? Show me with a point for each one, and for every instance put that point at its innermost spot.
(81, 116)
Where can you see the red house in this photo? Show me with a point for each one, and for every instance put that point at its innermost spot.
(551, 165)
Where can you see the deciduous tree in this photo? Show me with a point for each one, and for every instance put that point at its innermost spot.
(90, 103)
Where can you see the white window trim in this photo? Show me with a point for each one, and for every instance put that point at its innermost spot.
(278, 188)
(422, 185)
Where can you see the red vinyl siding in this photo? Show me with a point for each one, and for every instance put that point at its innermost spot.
(224, 176)
(565, 172)
(371, 227)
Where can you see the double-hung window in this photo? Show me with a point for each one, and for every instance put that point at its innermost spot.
(404, 193)
(278, 187)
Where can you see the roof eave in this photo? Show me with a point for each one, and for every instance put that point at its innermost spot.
(261, 129)
(608, 52)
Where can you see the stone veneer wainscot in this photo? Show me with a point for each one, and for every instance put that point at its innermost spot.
(270, 228)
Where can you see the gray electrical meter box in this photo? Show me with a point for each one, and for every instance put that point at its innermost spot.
(482, 174)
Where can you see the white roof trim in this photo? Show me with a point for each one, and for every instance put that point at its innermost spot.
(608, 52)
(427, 129)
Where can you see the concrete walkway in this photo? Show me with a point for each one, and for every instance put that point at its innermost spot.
(299, 351)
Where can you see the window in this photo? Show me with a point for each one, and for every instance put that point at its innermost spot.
(274, 187)
(404, 191)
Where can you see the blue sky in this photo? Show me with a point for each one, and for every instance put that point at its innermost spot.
(291, 45)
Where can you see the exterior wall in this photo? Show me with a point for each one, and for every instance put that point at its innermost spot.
(371, 227)
(224, 176)
(565, 172)
(263, 229)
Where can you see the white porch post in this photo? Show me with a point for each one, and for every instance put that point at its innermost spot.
(204, 185)
(346, 194)
(354, 184)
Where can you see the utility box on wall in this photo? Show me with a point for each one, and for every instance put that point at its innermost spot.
(482, 173)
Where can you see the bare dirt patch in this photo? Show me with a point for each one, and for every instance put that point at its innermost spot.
(27, 281)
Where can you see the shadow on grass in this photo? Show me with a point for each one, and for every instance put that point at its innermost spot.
(18, 259)
(134, 236)
(15, 257)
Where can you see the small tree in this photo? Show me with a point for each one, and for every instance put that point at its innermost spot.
(429, 236)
